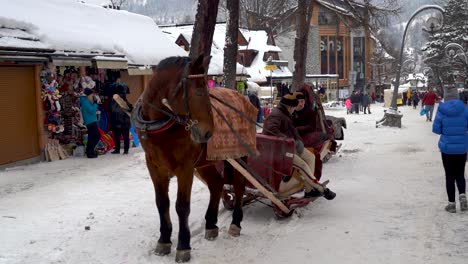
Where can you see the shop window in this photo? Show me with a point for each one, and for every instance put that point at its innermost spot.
(332, 55)
(274, 55)
(323, 55)
(327, 17)
(359, 58)
(340, 55)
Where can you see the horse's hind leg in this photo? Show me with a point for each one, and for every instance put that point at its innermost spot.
(238, 183)
(160, 180)
(213, 180)
(184, 189)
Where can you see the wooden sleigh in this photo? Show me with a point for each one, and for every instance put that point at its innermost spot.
(265, 172)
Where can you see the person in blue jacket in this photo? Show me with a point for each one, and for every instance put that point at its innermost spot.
(451, 122)
(89, 113)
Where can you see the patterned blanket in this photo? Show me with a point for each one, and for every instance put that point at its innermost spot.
(224, 144)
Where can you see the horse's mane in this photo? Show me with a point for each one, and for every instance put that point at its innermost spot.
(172, 61)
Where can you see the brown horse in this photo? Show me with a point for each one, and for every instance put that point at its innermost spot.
(175, 121)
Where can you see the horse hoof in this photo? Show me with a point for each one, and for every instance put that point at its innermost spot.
(234, 230)
(211, 234)
(163, 249)
(182, 256)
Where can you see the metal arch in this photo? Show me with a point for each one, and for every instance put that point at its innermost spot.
(397, 82)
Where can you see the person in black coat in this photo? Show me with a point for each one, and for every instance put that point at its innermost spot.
(253, 98)
(356, 101)
(120, 119)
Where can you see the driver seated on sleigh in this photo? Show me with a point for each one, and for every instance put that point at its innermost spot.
(280, 124)
(308, 124)
(306, 119)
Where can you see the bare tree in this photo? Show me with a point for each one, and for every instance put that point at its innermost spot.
(262, 14)
(203, 30)
(117, 3)
(230, 48)
(303, 17)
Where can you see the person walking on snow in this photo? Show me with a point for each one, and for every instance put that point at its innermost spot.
(415, 99)
(428, 102)
(451, 122)
(365, 102)
(348, 105)
(89, 112)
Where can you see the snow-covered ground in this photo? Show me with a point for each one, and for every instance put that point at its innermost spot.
(389, 209)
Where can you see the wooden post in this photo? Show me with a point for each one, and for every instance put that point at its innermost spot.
(40, 115)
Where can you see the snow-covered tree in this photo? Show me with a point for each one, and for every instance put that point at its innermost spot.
(455, 30)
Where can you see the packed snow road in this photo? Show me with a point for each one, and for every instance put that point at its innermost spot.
(389, 209)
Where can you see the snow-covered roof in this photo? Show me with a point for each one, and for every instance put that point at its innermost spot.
(257, 71)
(335, 6)
(217, 48)
(71, 26)
(17, 38)
(258, 41)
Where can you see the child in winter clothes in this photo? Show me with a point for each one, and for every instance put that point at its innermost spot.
(451, 122)
(348, 105)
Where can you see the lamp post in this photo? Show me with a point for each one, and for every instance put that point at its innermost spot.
(399, 66)
(455, 51)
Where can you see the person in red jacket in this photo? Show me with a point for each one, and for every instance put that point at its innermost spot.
(428, 102)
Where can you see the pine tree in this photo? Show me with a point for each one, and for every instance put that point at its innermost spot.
(455, 30)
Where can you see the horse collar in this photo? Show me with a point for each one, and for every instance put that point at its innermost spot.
(149, 127)
(157, 126)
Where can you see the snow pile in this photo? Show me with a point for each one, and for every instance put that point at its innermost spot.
(217, 49)
(85, 28)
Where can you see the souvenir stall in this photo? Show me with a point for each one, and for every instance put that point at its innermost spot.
(61, 90)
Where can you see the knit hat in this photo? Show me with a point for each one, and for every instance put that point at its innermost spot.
(450, 93)
(88, 91)
(299, 95)
(289, 100)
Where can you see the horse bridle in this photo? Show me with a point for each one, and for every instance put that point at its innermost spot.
(186, 121)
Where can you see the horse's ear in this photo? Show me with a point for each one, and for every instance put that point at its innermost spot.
(201, 64)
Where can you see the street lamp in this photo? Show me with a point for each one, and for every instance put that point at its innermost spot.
(456, 51)
(399, 66)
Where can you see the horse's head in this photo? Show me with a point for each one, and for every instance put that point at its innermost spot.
(180, 85)
(199, 103)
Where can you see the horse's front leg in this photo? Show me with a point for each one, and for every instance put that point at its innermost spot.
(214, 181)
(160, 180)
(184, 189)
